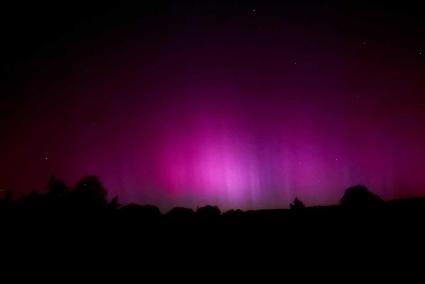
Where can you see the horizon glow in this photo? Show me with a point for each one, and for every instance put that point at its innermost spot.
(236, 117)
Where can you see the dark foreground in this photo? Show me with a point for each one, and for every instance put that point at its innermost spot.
(83, 214)
(80, 226)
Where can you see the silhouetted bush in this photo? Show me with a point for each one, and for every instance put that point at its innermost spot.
(56, 187)
(181, 213)
(89, 191)
(360, 197)
(114, 204)
(296, 204)
(208, 211)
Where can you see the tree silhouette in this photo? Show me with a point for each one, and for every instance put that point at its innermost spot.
(114, 204)
(359, 196)
(208, 211)
(56, 187)
(89, 190)
(181, 212)
(296, 204)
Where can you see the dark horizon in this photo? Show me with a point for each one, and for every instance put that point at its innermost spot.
(91, 191)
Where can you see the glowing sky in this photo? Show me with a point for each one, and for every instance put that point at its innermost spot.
(244, 106)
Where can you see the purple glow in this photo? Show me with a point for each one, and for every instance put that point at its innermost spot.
(223, 117)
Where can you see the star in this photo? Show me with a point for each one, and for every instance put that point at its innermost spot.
(420, 52)
(45, 157)
(364, 43)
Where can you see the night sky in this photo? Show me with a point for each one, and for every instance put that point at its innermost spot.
(240, 104)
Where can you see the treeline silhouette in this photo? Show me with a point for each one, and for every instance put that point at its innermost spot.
(68, 220)
(87, 203)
